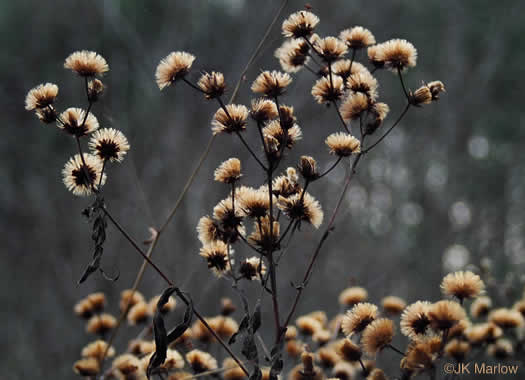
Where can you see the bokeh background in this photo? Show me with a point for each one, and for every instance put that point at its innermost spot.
(446, 191)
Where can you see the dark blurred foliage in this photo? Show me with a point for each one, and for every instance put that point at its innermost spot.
(451, 176)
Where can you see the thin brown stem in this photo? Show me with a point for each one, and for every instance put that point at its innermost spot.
(330, 168)
(347, 129)
(402, 83)
(251, 151)
(271, 263)
(396, 350)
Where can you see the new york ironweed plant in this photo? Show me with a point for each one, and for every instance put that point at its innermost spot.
(246, 235)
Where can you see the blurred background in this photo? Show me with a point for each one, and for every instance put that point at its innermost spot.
(445, 192)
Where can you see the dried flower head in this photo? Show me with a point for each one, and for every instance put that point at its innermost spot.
(331, 49)
(346, 67)
(377, 335)
(302, 207)
(139, 313)
(86, 63)
(352, 296)
(216, 255)
(229, 171)
(208, 230)
(462, 284)
(294, 348)
(445, 314)
(109, 145)
(233, 119)
(377, 374)
(327, 357)
(308, 325)
(518, 306)
(377, 114)
(393, 305)
(87, 367)
(344, 371)
(229, 220)
(415, 320)
(173, 67)
(254, 203)
(397, 54)
(354, 106)
(308, 168)
(128, 365)
(212, 84)
(97, 350)
(293, 55)
(349, 350)
(457, 349)
(74, 121)
(97, 301)
(81, 176)
(166, 308)
(129, 298)
(364, 83)
(306, 370)
(275, 130)
(287, 117)
(101, 324)
(322, 337)
(252, 268)
(41, 96)
(436, 87)
(286, 186)
(261, 236)
(422, 353)
(263, 110)
(327, 91)
(342, 144)
(232, 370)
(227, 306)
(483, 333)
(506, 318)
(480, 307)
(201, 361)
(373, 56)
(95, 90)
(300, 24)
(357, 37)
(421, 96)
(46, 115)
(501, 349)
(271, 83)
(360, 316)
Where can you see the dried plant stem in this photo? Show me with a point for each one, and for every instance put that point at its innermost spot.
(396, 350)
(331, 167)
(402, 83)
(348, 130)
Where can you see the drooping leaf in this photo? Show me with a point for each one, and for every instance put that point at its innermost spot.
(256, 317)
(242, 328)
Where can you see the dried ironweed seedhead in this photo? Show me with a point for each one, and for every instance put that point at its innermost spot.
(294, 348)
(41, 96)
(377, 374)
(349, 350)
(229, 219)
(322, 337)
(229, 171)
(377, 335)
(327, 91)
(109, 144)
(212, 84)
(344, 371)
(374, 57)
(480, 307)
(227, 306)
(274, 129)
(208, 230)
(87, 367)
(231, 120)
(436, 87)
(345, 67)
(261, 236)
(95, 90)
(233, 371)
(445, 314)
(293, 55)
(308, 168)
(129, 298)
(501, 349)
(287, 117)
(286, 185)
(74, 121)
(354, 106)
(216, 255)
(462, 284)
(128, 365)
(421, 96)
(327, 356)
(46, 115)
(271, 83)
(458, 330)
(254, 203)
(101, 324)
(421, 353)
(360, 316)
(457, 349)
(225, 327)
(166, 308)
(173, 67)
(200, 361)
(396, 54)
(308, 325)
(302, 207)
(377, 114)
(139, 313)
(518, 306)
(306, 370)
(331, 49)
(352, 296)
(483, 333)
(174, 360)
(506, 318)
(393, 305)
(357, 37)
(94, 303)
(300, 24)
(97, 349)
(86, 63)
(342, 144)
(365, 83)
(263, 110)
(252, 268)
(320, 316)
(80, 179)
(415, 320)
